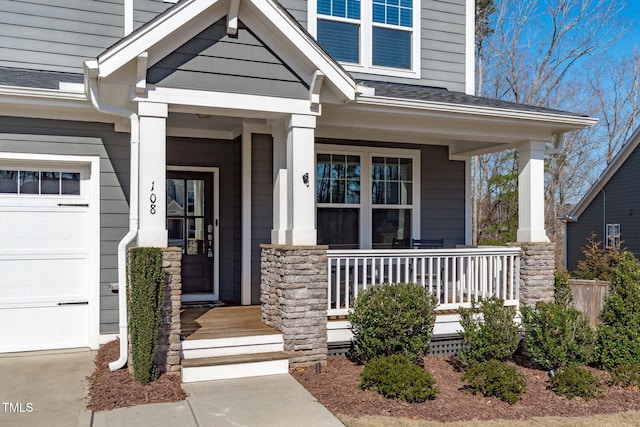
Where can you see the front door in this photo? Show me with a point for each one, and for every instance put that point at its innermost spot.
(191, 225)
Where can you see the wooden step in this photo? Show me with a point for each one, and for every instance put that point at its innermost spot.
(216, 347)
(236, 366)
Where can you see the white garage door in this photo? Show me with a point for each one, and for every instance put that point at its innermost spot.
(45, 262)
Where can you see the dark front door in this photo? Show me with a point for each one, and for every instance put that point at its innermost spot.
(190, 226)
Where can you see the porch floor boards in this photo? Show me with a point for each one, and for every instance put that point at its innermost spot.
(223, 322)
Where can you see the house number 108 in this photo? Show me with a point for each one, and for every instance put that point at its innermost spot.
(152, 199)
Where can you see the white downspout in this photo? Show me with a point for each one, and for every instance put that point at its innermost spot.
(91, 84)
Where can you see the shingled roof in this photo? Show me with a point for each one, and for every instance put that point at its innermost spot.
(40, 79)
(436, 94)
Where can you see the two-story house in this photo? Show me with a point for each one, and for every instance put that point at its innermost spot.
(220, 125)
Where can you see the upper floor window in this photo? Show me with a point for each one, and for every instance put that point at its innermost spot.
(371, 36)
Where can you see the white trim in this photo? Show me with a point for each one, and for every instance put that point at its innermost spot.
(366, 154)
(93, 165)
(366, 39)
(128, 17)
(246, 172)
(470, 48)
(215, 171)
(468, 195)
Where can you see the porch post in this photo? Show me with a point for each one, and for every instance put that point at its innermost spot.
(279, 184)
(531, 192)
(152, 229)
(301, 203)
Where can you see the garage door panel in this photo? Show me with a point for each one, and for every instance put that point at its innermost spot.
(41, 328)
(42, 278)
(36, 230)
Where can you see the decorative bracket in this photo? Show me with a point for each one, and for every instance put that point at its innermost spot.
(314, 90)
(232, 17)
(141, 73)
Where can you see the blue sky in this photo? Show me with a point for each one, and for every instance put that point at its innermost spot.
(630, 14)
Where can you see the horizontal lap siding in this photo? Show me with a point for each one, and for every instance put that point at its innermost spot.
(145, 10)
(75, 138)
(57, 36)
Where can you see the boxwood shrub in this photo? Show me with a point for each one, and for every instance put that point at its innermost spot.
(393, 319)
(145, 295)
(396, 377)
(576, 381)
(495, 378)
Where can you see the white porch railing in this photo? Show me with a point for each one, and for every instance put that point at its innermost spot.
(457, 276)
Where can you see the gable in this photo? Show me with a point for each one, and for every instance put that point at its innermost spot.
(213, 60)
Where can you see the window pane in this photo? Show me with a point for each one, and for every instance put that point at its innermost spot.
(391, 228)
(338, 191)
(70, 183)
(29, 182)
(338, 228)
(392, 171)
(393, 17)
(353, 167)
(391, 48)
(175, 197)
(175, 229)
(353, 191)
(338, 166)
(338, 179)
(195, 197)
(392, 193)
(195, 236)
(406, 193)
(353, 9)
(406, 170)
(8, 181)
(406, 17)
(340, 39)
(50, 182)
(324, 7)
(323, 191)
(378, 13)
(339, 8)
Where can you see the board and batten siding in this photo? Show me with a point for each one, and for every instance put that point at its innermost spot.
(212, 60)
(21, 135)
(617, 203)
(57, 35)
(261, 205)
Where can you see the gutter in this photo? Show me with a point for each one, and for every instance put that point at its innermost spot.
(91, 88)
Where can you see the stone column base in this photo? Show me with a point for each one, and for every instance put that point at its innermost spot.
(169, 344)
(293, 294)
(537, 266)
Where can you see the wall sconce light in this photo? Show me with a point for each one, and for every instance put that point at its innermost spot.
(305, 179)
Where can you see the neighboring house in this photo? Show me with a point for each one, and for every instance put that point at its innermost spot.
(611, 207)
(219, 125)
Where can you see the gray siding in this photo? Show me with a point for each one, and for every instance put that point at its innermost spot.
(221, 154)
(57, 36)
(617, 204)
(261, 205)
(96, 139)
(212, 60)
(145, 10)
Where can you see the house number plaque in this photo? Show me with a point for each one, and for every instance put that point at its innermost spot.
(152, 199)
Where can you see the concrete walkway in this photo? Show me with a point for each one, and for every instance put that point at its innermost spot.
(44, 389)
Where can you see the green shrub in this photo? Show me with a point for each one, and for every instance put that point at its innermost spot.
(627, 375)
(618, 335)
(576, 381)
(598, 263)
(396, 377)
(494, 335)
(393, 319)
(495, 378)
(557, 336)
(562, 293)
(145, 295)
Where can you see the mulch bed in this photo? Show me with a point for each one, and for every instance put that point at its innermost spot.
(337, 388)
(119, 389)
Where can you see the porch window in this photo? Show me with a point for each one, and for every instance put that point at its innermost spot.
(613, 236)
(338, 199)
(366, 198)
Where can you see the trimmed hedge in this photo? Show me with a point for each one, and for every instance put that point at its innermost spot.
(576, 381)
(396, 318)
(145, 295)
(496, 378)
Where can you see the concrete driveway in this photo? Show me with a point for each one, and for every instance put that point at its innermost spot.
(45, 388)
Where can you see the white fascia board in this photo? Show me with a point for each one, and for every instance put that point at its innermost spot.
(611, 169)
(227, 103)
(303, 43)
(148, 35)
(573, 122)
(42, 94)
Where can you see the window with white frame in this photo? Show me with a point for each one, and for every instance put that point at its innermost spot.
(613, 235)
(367, 197)
(377, 36)
(39, 182)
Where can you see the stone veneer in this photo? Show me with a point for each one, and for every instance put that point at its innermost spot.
(537, 265)
(293, 294)
(169, 345)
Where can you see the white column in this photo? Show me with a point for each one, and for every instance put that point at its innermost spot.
(152, 229)
(245, 278)
(531, 192)
(301, 178)
(279, 184)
